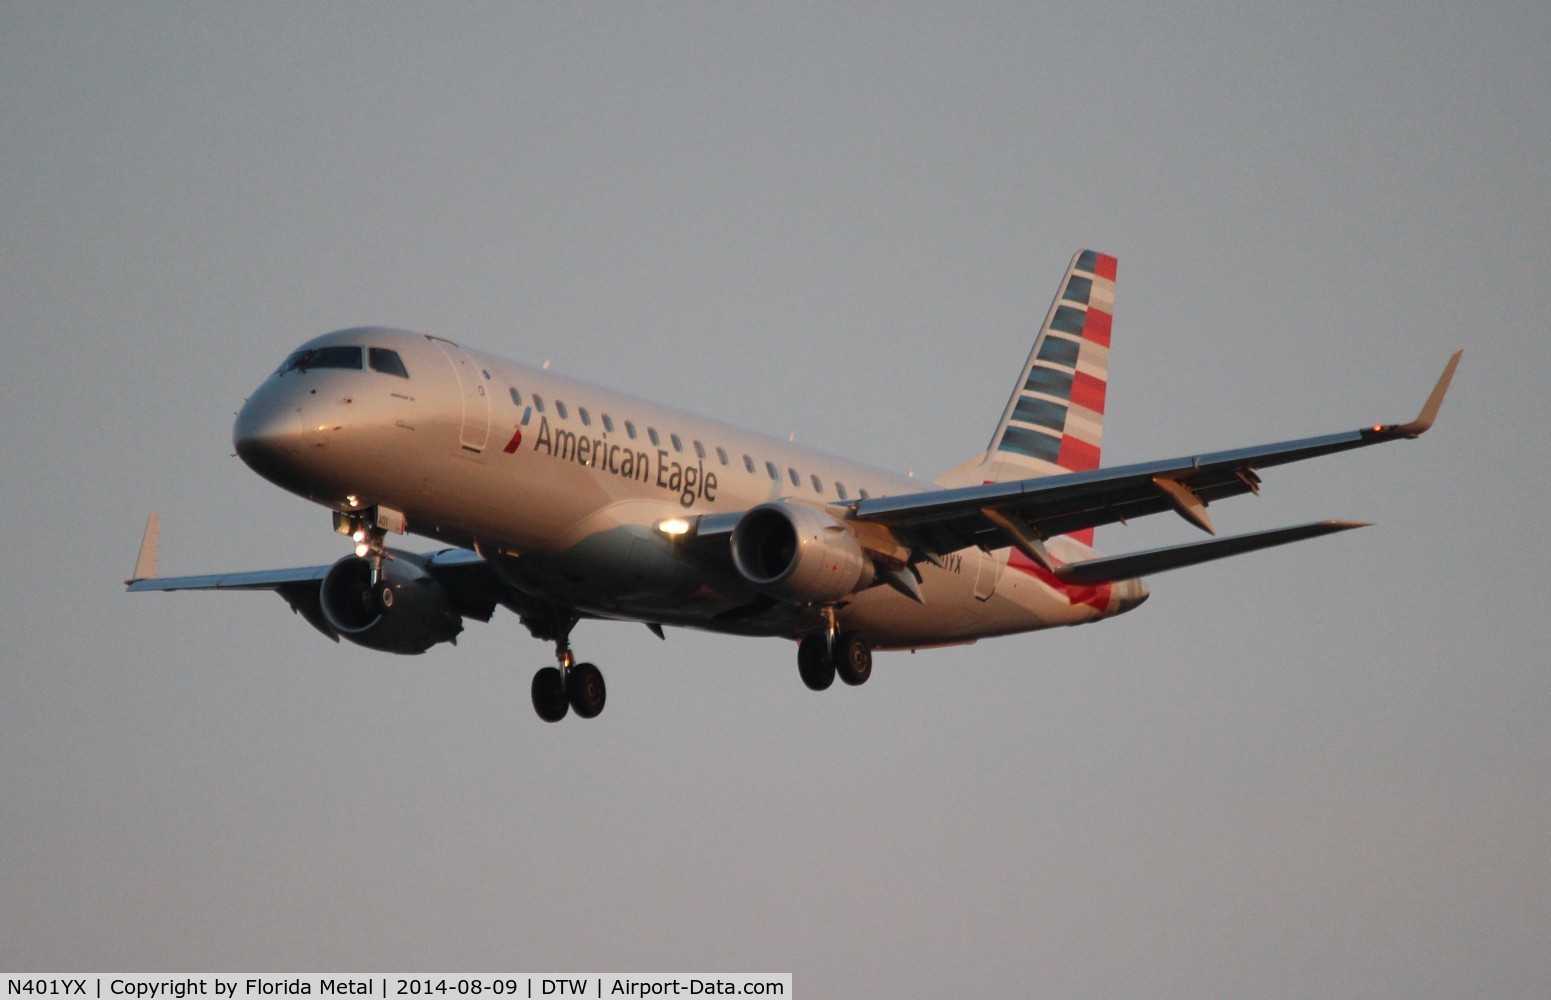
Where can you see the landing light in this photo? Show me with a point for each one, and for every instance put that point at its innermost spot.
(674, 526)
(359, 535)
(361, 549)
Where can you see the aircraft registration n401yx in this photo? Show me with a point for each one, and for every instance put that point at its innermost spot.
(563, 501)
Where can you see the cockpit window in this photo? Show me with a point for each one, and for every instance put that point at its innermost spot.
(323, 357)
(388, 362)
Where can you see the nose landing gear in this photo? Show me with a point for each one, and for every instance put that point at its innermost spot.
(367, 529)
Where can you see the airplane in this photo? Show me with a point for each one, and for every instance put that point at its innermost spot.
(563, 501)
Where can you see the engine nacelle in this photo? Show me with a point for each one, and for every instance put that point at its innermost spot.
(799, 554)
(421, 615)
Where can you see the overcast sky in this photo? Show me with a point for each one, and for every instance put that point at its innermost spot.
(1319, 771)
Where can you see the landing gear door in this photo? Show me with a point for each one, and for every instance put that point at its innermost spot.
(476, 400)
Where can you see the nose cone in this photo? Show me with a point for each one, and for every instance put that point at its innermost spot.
(268, 433)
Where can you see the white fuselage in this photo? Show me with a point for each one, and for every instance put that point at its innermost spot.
(563, 486)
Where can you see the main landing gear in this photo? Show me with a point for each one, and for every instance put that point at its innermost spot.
(823, 657)
(569, 686)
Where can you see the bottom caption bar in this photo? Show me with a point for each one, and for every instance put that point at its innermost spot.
(434, 986)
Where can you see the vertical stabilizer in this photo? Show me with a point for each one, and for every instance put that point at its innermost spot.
(1054, 421)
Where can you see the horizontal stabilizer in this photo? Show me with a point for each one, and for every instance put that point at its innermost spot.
(1125, 567)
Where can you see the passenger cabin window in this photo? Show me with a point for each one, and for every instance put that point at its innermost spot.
(561, 410)
(840, 489)
(322, 357)
(630, 429)
(677, 444)
(538, 402)
(651, 432)
(748, 462)
(608, 423)
(581, 411)
(699, 450)
(770, 468)
(865, 494)
(796, 479)
(516, 397)
(721, 453)
(818, 484)
(380, 359)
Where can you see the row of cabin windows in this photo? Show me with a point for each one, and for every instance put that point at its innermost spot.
(537, 402)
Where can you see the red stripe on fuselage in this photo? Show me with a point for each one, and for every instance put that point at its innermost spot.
(1096, 596)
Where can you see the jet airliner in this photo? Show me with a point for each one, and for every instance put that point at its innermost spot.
(563, 501)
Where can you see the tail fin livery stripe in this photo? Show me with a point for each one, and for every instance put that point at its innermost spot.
(1084, 425)
(1059, 350)
(1097, 264)
(1096, 331)
(1050, 381)
(1039, 412)
(1031, 444)
(1068, 319)
(1088, 392)
(1056, 418)
(1078, 456)
(1054, 421)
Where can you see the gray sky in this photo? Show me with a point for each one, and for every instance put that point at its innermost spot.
(1316, 771)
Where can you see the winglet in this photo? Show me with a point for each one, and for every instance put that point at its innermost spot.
(1424, 420)
(145, 562)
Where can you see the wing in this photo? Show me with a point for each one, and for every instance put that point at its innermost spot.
(471, 582)
(264, 579)
(459, 568)
(1025, 512)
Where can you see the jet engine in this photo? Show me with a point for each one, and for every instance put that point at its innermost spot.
(407, 612)
(799, 554)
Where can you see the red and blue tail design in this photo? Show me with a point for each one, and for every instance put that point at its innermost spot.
(1054, 422)
(1055, 419)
